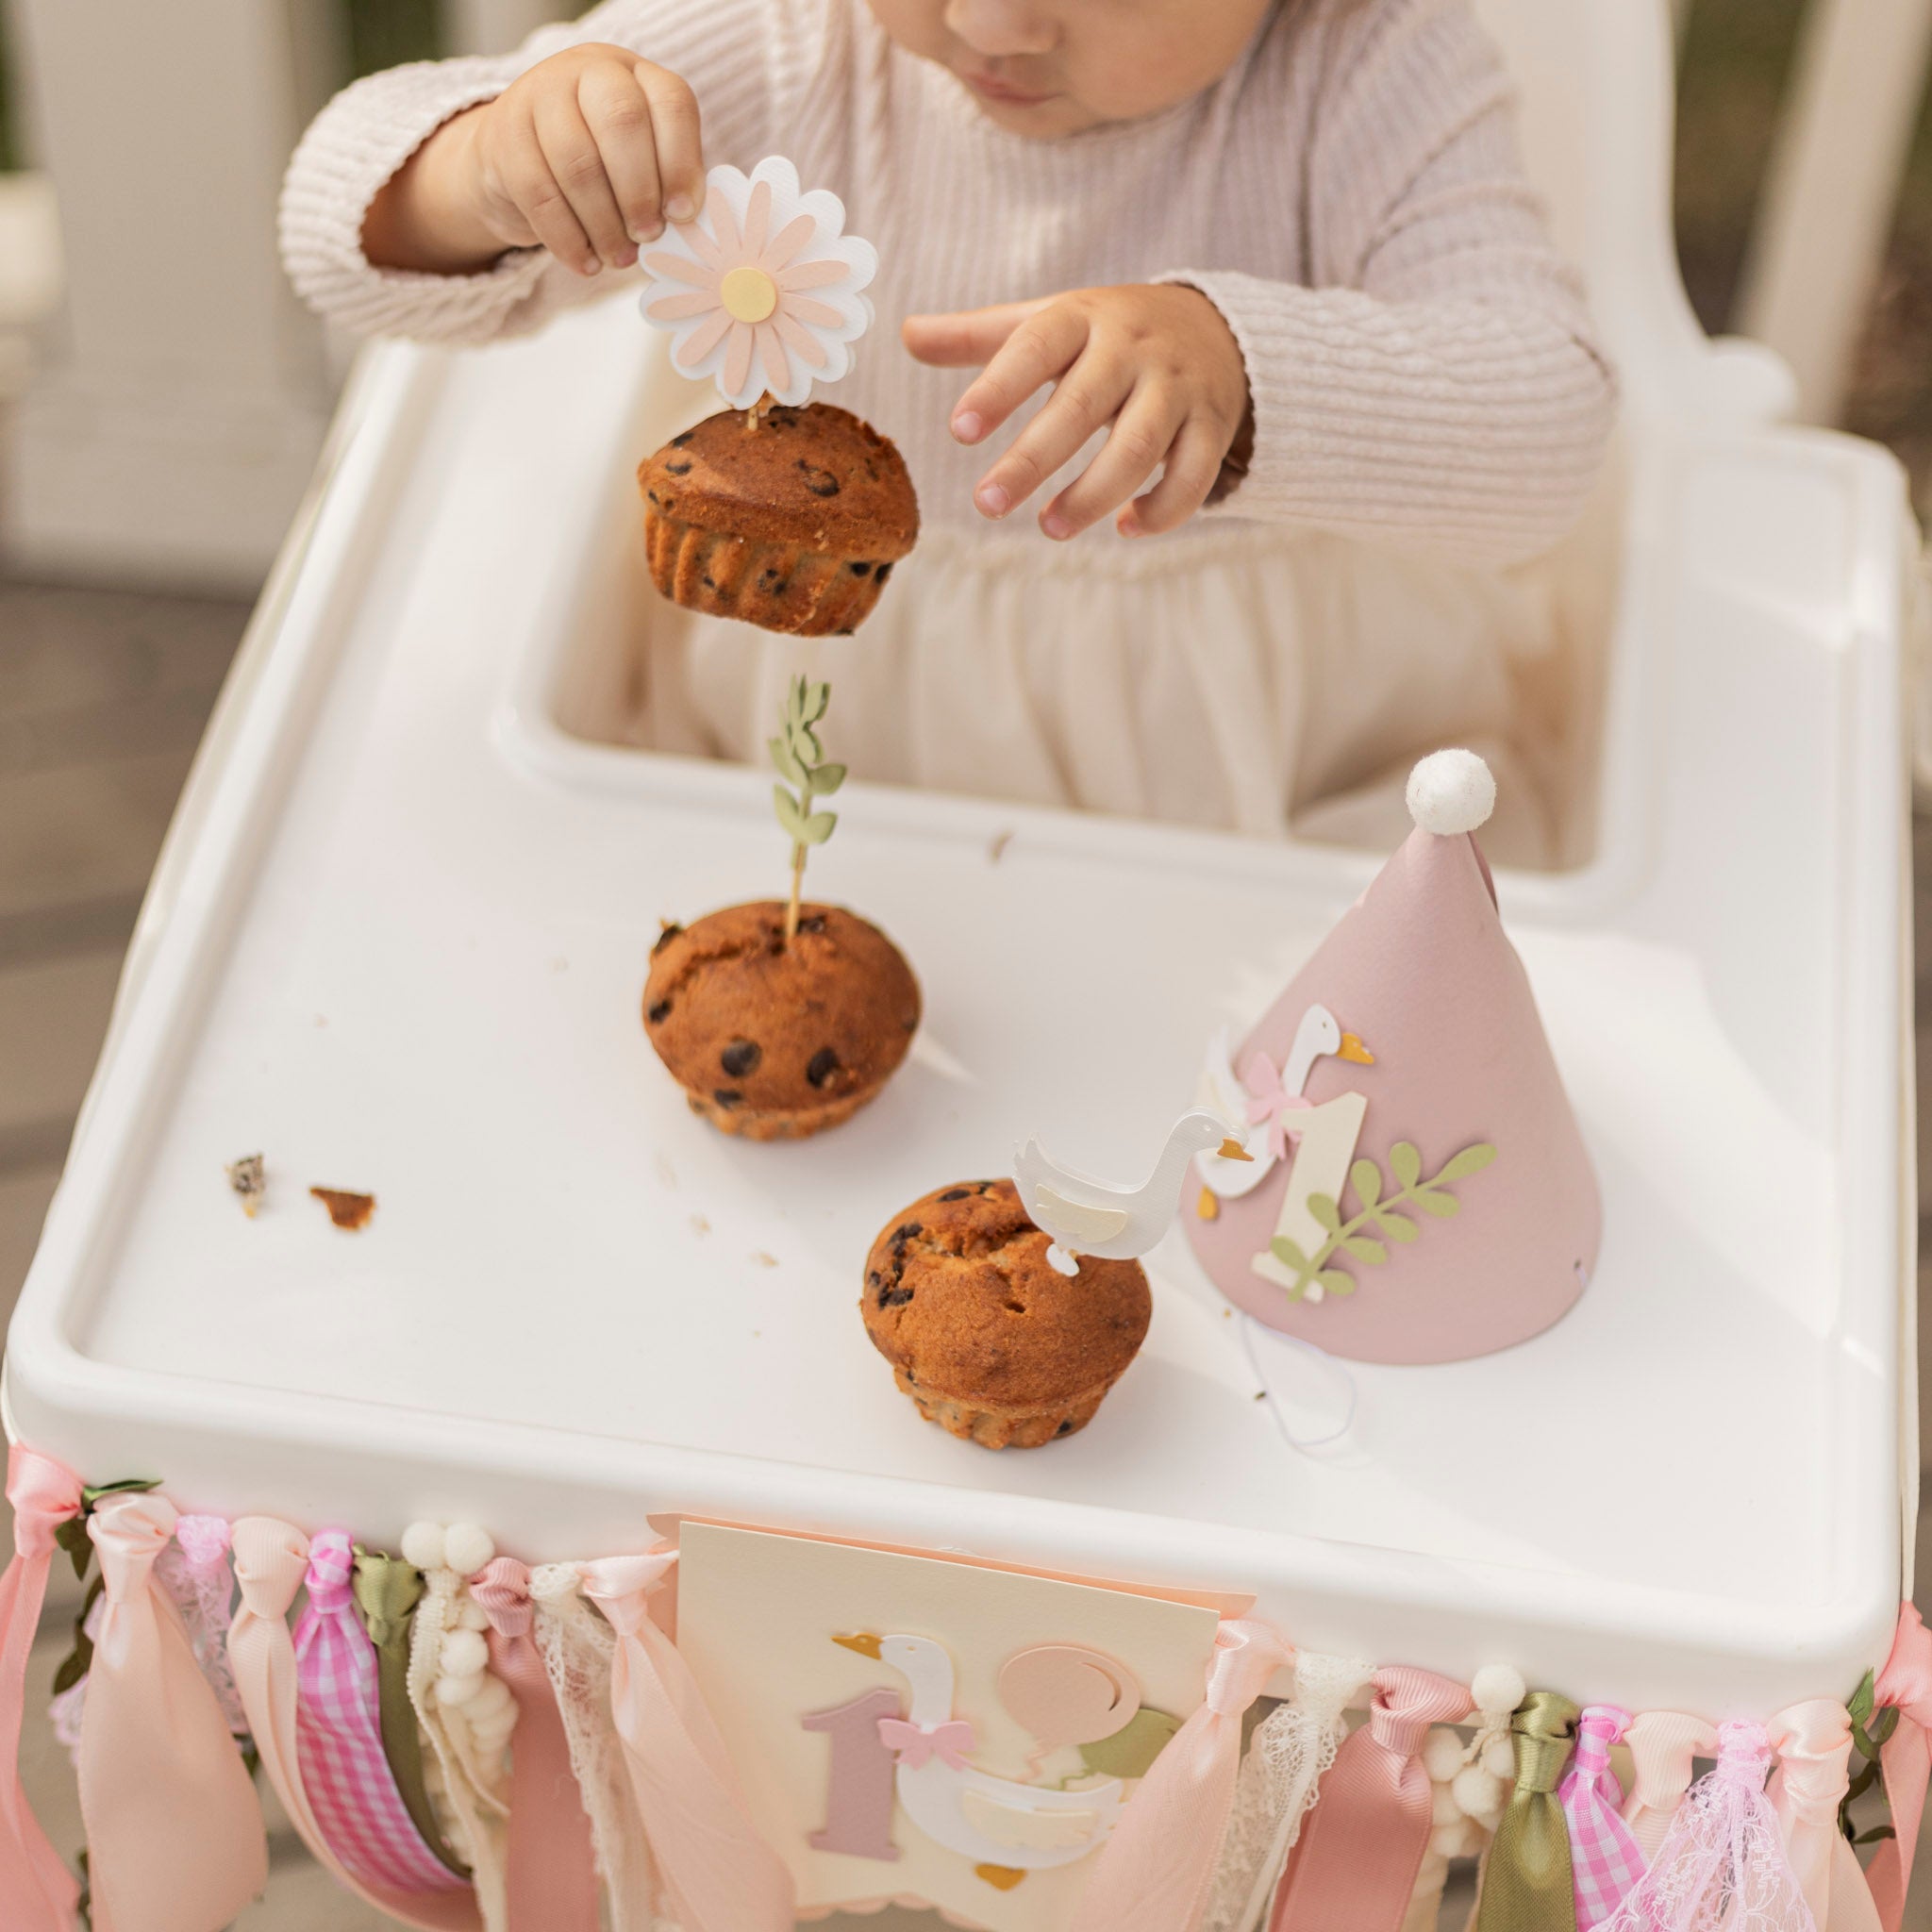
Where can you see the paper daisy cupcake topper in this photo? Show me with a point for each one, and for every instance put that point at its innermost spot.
(763, 292)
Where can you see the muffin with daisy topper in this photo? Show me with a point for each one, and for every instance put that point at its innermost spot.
(779, 511)
(781, 1018)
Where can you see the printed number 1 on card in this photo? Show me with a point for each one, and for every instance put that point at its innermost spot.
(858, 1790)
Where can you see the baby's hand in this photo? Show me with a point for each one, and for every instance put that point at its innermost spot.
(588, 153)
(1156, 361)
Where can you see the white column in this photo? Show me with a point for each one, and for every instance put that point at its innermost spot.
(181, 394)
(1832, 188)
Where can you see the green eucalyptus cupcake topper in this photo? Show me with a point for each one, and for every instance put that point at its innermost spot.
(800, 761)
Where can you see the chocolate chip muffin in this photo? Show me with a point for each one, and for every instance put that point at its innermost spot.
(776, 1040)
(794, 525)
(989, 1340)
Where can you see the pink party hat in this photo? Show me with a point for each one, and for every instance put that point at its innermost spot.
(1418, 1190)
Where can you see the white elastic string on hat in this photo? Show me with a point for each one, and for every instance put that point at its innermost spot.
(1340, 1376)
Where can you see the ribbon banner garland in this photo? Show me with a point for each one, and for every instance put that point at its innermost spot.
(1363, 1844)
(1662, 1745)
(1813, 1743)
(1603, 1853)
(1905, 1685)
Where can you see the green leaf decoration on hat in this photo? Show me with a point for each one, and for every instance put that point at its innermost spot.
(1366, 1237)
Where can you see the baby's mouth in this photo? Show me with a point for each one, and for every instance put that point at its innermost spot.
(996, 87)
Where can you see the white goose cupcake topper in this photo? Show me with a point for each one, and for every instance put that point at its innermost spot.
(763, 292)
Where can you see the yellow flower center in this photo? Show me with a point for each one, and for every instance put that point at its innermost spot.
(749, 295)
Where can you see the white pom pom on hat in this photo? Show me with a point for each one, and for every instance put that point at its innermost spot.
(1451, 792)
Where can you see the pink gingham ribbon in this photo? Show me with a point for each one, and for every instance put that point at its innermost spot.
(339, 1736)
(916, 1745)
(1270, 1101)
(1605, 1861)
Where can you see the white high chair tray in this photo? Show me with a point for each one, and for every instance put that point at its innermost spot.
(403, 951)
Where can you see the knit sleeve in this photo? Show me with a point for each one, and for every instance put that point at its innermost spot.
(745, 60)
(1438, 384)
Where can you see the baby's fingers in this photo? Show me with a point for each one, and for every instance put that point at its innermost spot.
(675, 132)
(1037, 352)
(1193, 466)
(1141, 436)
(966, 337)
(619, 118)
(579, 179)
(1088, 394)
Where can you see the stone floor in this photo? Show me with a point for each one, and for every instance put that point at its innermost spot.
(102, 700)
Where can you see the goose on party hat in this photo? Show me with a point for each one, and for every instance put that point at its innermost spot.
(1418, 1190)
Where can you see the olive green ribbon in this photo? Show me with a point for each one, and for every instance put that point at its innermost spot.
(386, 1590)
(1527, 1886)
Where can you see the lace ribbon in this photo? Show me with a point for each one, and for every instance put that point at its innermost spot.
(193, 1570)
(551, 1881)
(1661, 1745)
(1527, 1882)
(721, 1877)
(1813, 1743)
(1905, 1685)
(175, 1835)
(1154, 1873)
(1723, 1861)
(1362, 1848)
(386, 1590)
(1287, 1753)
(577, 1646)
(339, 1737)
(1603, 1853)
(36, 1890)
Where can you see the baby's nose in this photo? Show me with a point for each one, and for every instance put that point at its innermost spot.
(1003, 29)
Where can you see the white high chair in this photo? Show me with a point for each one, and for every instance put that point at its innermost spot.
(398, 936)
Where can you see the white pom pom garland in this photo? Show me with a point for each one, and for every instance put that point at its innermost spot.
(1441, 1754)
(1499, 1758)
(423, 1545)
(1496, 1689)
(464, 1653)
(1452, 792)
(467, 1548)
(1478, 1791)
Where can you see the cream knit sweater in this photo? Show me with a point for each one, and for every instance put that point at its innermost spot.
(1348, 194)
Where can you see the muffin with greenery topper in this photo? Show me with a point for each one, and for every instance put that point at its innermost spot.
(781, 1018)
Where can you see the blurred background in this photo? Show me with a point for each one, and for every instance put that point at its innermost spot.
(163, 397)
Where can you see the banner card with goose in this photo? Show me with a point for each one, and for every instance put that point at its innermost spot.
(1416, 1187)
(917, 1729)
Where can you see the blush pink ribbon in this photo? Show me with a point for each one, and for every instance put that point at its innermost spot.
(175, 1835)
(271, 1561)
(1903, 1685)
(720, 1874)
(1154, 1873)
(1362, 1846)
(915, 1745)
(38, 1894)
(1662, 1745)
(551, 1877)
(1813, 1744)
(1270, 1101)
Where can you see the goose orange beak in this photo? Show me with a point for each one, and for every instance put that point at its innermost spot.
(1232, 1149)
(863, 1641)
(1353, 1049)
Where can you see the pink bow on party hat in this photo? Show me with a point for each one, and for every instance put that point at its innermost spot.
(37, 1892)
(551, 1870)
(1155, 1870)
(175, 1835)
(1903, 1685)
(1363, 1843)
(720, 1874)
(915, 1745)
(1813, 1743)
(1270, 1101)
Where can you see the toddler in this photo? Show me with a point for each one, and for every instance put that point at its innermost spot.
(1278, 367)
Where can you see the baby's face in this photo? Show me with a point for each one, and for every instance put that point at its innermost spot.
(1048, 68)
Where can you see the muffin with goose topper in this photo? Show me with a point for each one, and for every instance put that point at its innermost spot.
(779, 511)
(781, 1018)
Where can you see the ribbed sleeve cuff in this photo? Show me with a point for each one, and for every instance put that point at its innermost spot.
(1449, 425)
(350, 151)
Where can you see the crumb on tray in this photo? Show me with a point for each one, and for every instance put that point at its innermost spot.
(249, 1179)
(347, 1210)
